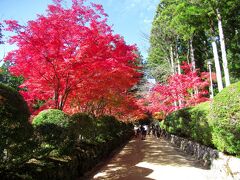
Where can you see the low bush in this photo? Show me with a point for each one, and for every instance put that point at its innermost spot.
(178, 122)
(109, 128)
(53, 132)
(97, 130)
(15, 130)
(57, 158)
(85, 127)
(191, 123)
(52, 116)
(225, 120)
(199, 125)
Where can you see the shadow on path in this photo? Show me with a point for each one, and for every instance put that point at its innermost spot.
(151, 159)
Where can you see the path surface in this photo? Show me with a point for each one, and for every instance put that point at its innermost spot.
(151, 159)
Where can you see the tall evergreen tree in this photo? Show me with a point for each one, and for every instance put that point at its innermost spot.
(192, 31)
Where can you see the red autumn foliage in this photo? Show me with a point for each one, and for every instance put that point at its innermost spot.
(181, 90)
(71, 60)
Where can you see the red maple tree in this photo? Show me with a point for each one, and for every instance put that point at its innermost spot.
(181, 90)
(71, 59)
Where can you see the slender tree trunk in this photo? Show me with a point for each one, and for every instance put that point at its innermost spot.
(178, 71)
(192, 55)
(180, 103)
(193, 61)
(211, 84)
(175, 104)
(177, 56)
(188, 52)
(179, 67)
(216, 58)
(217, 66)
(178, 62)
(223, 49)
(172, 60)
(169, 62)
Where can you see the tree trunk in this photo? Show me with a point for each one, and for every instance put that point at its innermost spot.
(188, 52)
(172, 60)
(179, 67)
(177, 57)
(223, 49)
(178, 63)
(175, 104)
(217, 66)
(180, 103)
(192, 55)
(211, 84)
(179, 72)
(193, 61)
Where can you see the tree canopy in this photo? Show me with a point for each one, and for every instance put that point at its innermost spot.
(71, 60)
(180, 27)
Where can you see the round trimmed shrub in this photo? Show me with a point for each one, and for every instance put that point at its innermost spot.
(178, 122)
(191, 122)
(199, 125)
(85, 127)
(109, 127)
(15, 130)
(225, 120)
(51, 116)
(53, 132)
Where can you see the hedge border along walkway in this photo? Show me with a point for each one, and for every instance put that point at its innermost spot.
(85, 158)
(87, 175)
(214, 124)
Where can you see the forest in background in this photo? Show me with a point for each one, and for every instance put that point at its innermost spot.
(192, 31)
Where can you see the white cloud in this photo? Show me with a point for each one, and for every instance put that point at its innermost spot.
(132, 5)
(140, 5)
(147, 21)
(141, 15)
(151, 7)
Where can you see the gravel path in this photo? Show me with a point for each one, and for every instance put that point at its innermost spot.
(151, 159)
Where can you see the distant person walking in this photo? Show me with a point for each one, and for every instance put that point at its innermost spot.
(158, 131)
(136, 130)
(144, 131)
(153, 130)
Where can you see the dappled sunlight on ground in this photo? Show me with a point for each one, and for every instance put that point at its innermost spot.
(173, 172)
(151, 159)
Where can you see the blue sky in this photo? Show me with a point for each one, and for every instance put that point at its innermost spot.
(130, 18)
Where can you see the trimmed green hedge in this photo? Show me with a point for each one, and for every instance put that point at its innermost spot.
(53, 132)
(191, 123)
(97, 130)
(109, 128)
(200, 129)
(85, 127)
(93, 138)
(15, 130)
(225, 120)
(178, 122)
(216, 124)
(52, 116)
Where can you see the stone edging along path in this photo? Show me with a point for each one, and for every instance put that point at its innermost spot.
(223, 166)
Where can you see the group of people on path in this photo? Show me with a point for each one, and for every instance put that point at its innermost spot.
(141, 131)
(144, 130)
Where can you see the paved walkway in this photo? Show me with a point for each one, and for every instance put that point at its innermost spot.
(151, 159)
